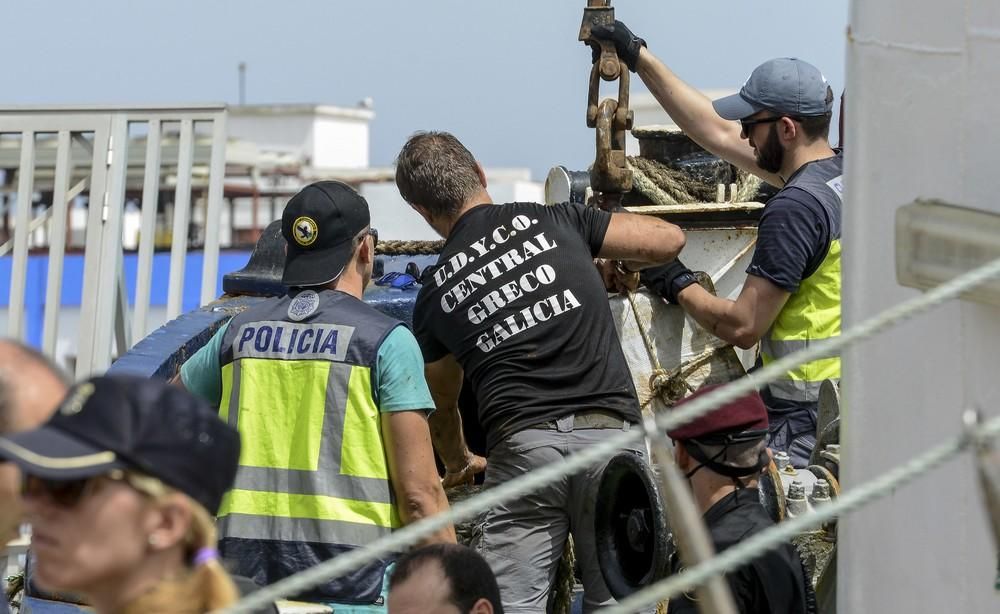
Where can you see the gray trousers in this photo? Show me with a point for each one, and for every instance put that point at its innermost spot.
(523, 540)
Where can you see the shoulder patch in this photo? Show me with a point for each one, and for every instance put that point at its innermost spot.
(837, 185)
(303, 305)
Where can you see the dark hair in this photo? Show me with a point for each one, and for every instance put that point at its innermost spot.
(29, 357)
(468, 574)
(818, 126)
(434, 170)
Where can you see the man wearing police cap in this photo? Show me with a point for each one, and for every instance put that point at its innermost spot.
(330, 399)
(722, 453)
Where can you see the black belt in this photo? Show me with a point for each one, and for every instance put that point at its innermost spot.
(591, 419)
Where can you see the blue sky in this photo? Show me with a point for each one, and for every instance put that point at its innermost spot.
(508, 78)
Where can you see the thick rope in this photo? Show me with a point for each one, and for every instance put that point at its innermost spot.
(664, 185)
(518, 487)
(784, 531)
(409, 248)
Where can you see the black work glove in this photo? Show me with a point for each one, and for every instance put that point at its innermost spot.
(667, 279)
(626, 43)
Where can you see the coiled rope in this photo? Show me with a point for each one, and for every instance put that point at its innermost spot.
(518, 487)
(664, 185)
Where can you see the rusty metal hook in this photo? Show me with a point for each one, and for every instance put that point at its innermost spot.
(610, 174)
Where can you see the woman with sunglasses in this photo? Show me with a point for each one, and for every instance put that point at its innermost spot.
(120, 488)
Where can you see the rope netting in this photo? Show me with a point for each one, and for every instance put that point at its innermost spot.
(733, 557)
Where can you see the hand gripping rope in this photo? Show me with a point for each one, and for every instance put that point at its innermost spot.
(412, 534)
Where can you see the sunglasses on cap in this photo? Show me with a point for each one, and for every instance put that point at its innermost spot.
(68, 493)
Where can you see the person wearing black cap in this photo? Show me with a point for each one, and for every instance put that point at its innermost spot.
(120, 487)
(722, 453)
(791, 297)
(330, 398)
(517, 305)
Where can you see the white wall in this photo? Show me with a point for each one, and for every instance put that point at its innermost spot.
(396, 220)
(340, 143)
(285, 133)
(327, 137)
(921, 109)
(517, 191)
(393, 218)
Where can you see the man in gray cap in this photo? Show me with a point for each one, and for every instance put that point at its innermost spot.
(791, 296)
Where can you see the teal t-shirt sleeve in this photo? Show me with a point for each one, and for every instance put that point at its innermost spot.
(202, 373)
(399, 374)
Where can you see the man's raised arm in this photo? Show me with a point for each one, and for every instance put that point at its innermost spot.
(691, 110)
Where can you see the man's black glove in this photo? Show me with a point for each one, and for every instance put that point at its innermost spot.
(667, 279)
(626, 43)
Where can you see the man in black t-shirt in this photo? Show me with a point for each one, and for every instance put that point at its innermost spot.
(516, 303)
(791, 297)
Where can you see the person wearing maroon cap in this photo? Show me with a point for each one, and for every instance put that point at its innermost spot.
(721, 454)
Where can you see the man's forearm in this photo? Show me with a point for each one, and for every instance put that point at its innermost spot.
(716, 315)
(449, 439)
(425, 503)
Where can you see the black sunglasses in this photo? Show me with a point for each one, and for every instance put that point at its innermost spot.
(66, 493)
(748, 124)
(374, 234)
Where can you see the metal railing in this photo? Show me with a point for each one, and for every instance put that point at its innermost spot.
(107, 325)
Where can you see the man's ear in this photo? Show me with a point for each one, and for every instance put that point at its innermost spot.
(365, 252)
(483, 606)
(788, 129)
(482, 174)
(169, 521)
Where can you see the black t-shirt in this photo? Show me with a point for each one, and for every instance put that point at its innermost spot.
(774, 582)
(793, 238)
(516, 298)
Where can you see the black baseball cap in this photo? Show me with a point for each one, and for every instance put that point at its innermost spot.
(127, 422)
(319, 224)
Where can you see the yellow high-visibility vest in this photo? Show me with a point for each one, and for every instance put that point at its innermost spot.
(812, 313)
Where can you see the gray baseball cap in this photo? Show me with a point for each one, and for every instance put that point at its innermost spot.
(784, 85)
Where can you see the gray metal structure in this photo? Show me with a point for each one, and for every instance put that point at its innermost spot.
(107, 326)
